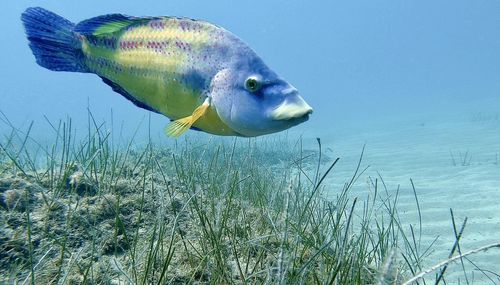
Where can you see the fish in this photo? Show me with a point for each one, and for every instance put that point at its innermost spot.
(197, 74)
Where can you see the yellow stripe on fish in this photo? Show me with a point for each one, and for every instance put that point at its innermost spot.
(146, 61)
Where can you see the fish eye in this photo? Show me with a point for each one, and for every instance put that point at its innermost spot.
(252, 84)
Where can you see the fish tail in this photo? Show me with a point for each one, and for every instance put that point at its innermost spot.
(53, 41)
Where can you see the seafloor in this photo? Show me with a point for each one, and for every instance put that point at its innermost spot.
(88, 212)
(454, 162)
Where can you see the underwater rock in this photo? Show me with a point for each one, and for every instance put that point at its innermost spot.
(112, 245)
(79, 183)
(106, 207)
(17, 199)
(123, 186)
(5, 184)
(13, 182)
(12, 193)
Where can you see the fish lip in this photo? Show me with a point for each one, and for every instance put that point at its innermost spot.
(297, 110)
(299, 119)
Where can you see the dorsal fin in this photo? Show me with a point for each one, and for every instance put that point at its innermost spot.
(106, 24)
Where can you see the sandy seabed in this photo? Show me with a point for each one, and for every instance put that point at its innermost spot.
(454, 163)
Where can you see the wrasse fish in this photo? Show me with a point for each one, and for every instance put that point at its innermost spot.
(197, 74)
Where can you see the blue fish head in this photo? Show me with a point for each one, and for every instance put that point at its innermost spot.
(253, 100)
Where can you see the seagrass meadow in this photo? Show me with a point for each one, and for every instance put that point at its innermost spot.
(241, 211)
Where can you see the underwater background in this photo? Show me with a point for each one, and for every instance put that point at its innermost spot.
(417, 83)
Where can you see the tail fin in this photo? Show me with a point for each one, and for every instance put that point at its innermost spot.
(52, 40)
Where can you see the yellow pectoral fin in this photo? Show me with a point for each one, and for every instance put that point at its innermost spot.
(180, 126)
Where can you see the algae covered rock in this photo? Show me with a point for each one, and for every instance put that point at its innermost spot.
(17, 194)
(81, 185)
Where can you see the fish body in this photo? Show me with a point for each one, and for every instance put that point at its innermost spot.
(164, 63)
(195, 73)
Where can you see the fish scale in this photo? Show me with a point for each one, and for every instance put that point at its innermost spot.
(159, 51)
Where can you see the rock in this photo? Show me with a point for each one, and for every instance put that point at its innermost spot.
(123, 186)
(106, 207)
(115, 246)
(16, 199)
(5, 184)
(79, 183)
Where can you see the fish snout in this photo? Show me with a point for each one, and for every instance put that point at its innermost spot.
(294, 107)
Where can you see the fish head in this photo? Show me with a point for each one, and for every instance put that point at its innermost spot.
(253, 100)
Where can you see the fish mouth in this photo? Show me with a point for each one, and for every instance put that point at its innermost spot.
(296, 120)
(292, 110)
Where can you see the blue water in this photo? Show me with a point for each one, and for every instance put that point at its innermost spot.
(354, 62)
(416, 81)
